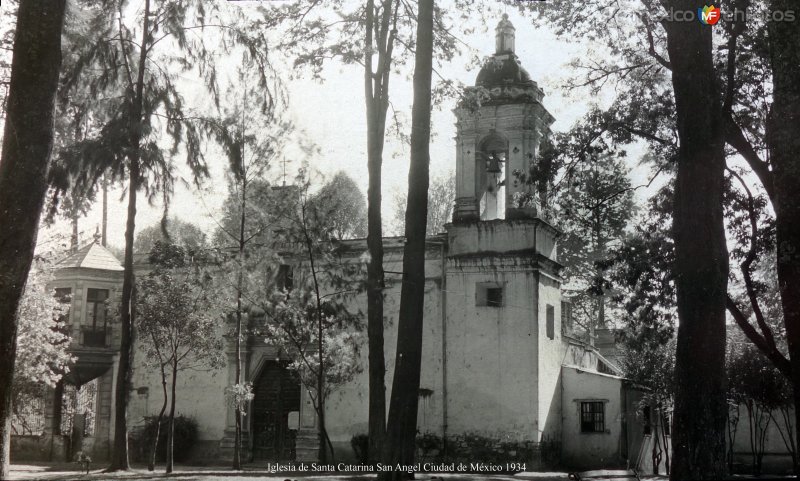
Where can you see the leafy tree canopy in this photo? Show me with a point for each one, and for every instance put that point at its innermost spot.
(343, 207)
(441, 198)
(43, 340)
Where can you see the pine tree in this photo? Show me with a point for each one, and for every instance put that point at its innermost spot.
(595, 206)
(400, 446)
(251, 139)
(311, 319)
(378, 36)
(130, 62)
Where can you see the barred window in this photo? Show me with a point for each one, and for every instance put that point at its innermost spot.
(28, 417)
(593, 417)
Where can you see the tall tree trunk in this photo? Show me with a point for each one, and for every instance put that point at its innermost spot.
(73, 242)
(104, 228)
(27, 143)
(783, 141)
(701, 264)
(375, 283)
(402, 424)
(323, 433)
(376, 92)
(237, 442)
(171, 426)
(152, 463)
(119, 453)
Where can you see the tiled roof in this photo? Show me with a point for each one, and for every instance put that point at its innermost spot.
(92, 256)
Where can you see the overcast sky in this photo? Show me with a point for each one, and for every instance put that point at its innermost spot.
(331, 113)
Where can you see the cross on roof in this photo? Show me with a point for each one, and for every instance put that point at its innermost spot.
(284, 162)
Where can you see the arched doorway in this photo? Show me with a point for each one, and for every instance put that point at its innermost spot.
(276, 396)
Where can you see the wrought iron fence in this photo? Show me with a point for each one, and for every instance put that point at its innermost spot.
(94, 337)
(28, 418)
(79, 401)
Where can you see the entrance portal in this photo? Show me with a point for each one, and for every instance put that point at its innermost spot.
(277, 394)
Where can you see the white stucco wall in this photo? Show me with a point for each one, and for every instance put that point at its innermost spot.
(590, 450)
(347, 411)
(492, 376)
(502, 236)
(503, 371)
(777, 458)
(550, 356)
(492, 353)
(200, 394)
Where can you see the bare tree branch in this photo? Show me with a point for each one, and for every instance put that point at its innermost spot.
(777, 358)
(652, 46)
(748, 262)
(734, 136)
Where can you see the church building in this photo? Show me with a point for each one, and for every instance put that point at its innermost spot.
(498, 359)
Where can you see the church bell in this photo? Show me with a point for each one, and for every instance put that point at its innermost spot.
(493, 164)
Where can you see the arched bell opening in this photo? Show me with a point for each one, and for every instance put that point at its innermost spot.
(490, 178)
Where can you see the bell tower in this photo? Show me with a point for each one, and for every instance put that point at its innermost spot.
(503, 313)
(500, 124)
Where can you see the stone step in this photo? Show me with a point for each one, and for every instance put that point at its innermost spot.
(307, 445)
(228, 441)
(306, 455)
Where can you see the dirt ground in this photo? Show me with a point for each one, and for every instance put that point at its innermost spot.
(66, 472)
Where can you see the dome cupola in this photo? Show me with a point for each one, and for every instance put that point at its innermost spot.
(500, 124)
(503, 68)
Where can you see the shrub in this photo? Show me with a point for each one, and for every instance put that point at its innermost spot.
(474, 447)
(429, 446)
(184, 441)
(360, 445)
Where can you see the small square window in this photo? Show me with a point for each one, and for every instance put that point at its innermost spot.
(494, 296)
(488, 295)
(593, 417)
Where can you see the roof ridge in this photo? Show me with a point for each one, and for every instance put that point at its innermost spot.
(92, 256)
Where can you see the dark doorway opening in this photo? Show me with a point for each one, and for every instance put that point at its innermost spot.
(277, 395)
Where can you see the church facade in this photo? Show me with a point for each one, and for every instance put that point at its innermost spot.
(498, 360)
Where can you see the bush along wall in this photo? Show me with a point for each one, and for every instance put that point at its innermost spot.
(185, 439)
(360, 445)
(474, 448)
